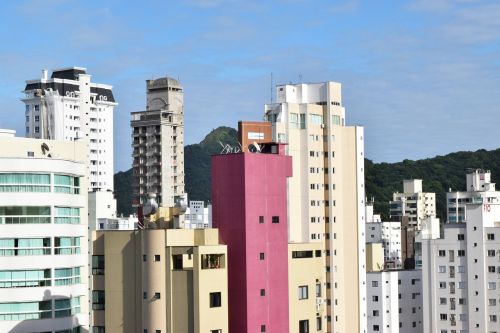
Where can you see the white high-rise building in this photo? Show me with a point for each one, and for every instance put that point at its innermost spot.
(68, 107)
(44, 258)
(479, 189)
(326, 192)
(158, 144)
(413, 203)
(461, 273)
(395, 301)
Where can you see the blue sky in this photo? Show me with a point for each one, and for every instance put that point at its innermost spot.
(422, 76)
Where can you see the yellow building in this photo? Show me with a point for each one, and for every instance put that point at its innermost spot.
(307, 288)
(159, 280)
(374, 257)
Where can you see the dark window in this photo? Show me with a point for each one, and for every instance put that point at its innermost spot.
(177, 261)
(461, 236)
(157, 257)
(215, 300)
(263, 292)
(261, 219)
(302, 254)
(276, 219)
(262, 256)
(98, 300)
(262, 328)
(97, 265)
(157, 295)
(318, 253)
(303, 326)
(144, 257)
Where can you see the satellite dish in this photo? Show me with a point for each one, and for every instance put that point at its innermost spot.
(151, 206)
(254, 148)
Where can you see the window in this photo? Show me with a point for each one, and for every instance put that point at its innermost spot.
(442, 285)
(212, 261)
(67, 276)
(492, 285)
(491, 269)
(25, 215)
(24, 246)
(67, 307)
(374, 283)
(375, 298)
(67, 215)
(492, 302)
(319, 323)
(275, 219)
(263, 292)
(442, 253)
(302, 254)
(442, 269)
(24, 278)
(442, 301)
(67, 245)
(261, 219)
(303, 326)
(215, 300)
(216, 331)
(25, 310)
(262, 328)
(491, 253)
(24, 182)
(261, 256)
(303, 292)
(443, 316)
(461, 253)
(461, 237)
(490, 236)
(98, 300)
(98, 329)
(157, 296)
(376, 328)
(318, 289)
(157, 257)
(375, 313)
(66, 184)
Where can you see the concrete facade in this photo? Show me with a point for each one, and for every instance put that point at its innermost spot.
(389, 235)
(250, 211)
(158, 144)
(395, 301)
(68, 107)
(461, 273)
(43, 236)
(326, 200)
(175, 283)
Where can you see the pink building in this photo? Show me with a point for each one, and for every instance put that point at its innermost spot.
(250, 210)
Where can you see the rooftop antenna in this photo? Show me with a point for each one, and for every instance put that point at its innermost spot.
(271, 87)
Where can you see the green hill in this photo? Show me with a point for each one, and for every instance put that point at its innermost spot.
(381, 179)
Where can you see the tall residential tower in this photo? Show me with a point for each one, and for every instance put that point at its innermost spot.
(158, 144)
(326, 192)
(68, 107)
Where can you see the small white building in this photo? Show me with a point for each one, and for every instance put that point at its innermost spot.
(479, 189)
(394, 301)
(413, 203)
(119, 223)
(461, 273)
(198, 216)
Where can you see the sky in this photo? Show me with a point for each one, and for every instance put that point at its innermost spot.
(422, 76)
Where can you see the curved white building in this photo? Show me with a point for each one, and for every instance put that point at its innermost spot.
(43, 236)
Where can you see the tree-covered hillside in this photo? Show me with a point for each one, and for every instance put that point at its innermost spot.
(439, 173)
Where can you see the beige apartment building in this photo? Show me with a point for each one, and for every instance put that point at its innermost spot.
(158, 144)
(413, 204)
(159, 280)
(326, 192)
